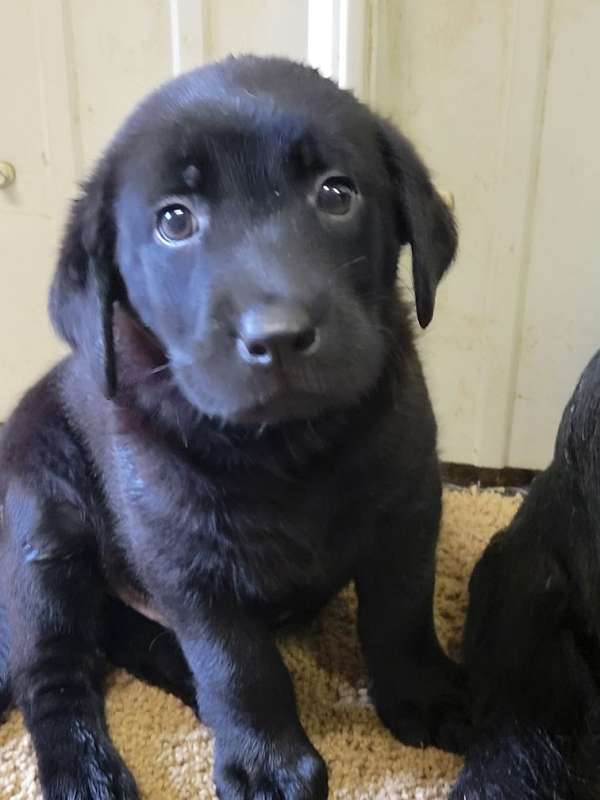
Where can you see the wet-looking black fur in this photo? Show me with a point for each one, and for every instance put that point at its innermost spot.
(532, 639)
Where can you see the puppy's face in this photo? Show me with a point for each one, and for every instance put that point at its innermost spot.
(251, 246)
(257, 226)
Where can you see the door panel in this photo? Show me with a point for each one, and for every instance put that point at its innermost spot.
(120, 51)
(268, 27)
(31, 141)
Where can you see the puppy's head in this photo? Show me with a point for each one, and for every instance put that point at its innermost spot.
(249, 216)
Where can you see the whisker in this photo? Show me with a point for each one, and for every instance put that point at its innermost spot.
(156, 638)
(159, 368)
(349, 263)
(261, 429)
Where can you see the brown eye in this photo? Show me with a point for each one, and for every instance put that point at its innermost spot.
(336, 196)
(175, 223)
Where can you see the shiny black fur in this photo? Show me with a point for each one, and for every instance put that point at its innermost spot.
(533, 630)
(156, 465)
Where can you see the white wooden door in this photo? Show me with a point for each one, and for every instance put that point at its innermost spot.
(67, 73)
(39, 143)
(500, 98)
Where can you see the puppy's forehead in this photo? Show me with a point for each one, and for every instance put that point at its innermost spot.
(248, 121)
(211, 153)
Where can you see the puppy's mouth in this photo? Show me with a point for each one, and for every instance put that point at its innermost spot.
(280, 407)
(276, 398)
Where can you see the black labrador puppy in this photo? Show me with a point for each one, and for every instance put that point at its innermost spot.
(533, 629)
(241, 429)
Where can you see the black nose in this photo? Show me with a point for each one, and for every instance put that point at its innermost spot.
(272, 333)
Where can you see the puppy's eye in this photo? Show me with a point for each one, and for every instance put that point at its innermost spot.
(336, 196)
(176, 223)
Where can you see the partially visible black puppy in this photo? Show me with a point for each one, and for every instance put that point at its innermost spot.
(242, 428)
(533, 629)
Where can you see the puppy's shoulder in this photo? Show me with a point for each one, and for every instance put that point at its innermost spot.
(38, 444)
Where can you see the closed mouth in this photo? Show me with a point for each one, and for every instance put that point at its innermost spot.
(281, 406)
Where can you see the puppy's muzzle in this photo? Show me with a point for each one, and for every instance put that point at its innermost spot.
(277, 334)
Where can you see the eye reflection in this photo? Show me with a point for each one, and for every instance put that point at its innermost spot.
(336, 196)
(175, 223)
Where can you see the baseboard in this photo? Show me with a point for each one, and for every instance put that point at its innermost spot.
(469, 475)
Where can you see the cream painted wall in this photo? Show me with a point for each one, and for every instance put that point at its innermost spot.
(500, 98)
(561, 310)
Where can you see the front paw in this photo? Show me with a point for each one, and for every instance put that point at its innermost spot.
(426, 705)
(252, 767)
(96, 773)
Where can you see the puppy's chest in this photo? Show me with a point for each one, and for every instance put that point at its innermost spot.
(266, 538)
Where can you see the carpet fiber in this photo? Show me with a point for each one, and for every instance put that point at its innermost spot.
(170, 754)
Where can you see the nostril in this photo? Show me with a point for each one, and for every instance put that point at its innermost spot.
(258, 350)
(254, 352)
(305, 341)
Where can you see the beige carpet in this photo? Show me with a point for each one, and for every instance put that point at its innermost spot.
(169, 753)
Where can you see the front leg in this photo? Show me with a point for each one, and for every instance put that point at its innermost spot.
(418, 691)
(54, 598)
(246, 695)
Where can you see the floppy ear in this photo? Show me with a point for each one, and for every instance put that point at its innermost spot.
(86, 282)
(422, 218)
